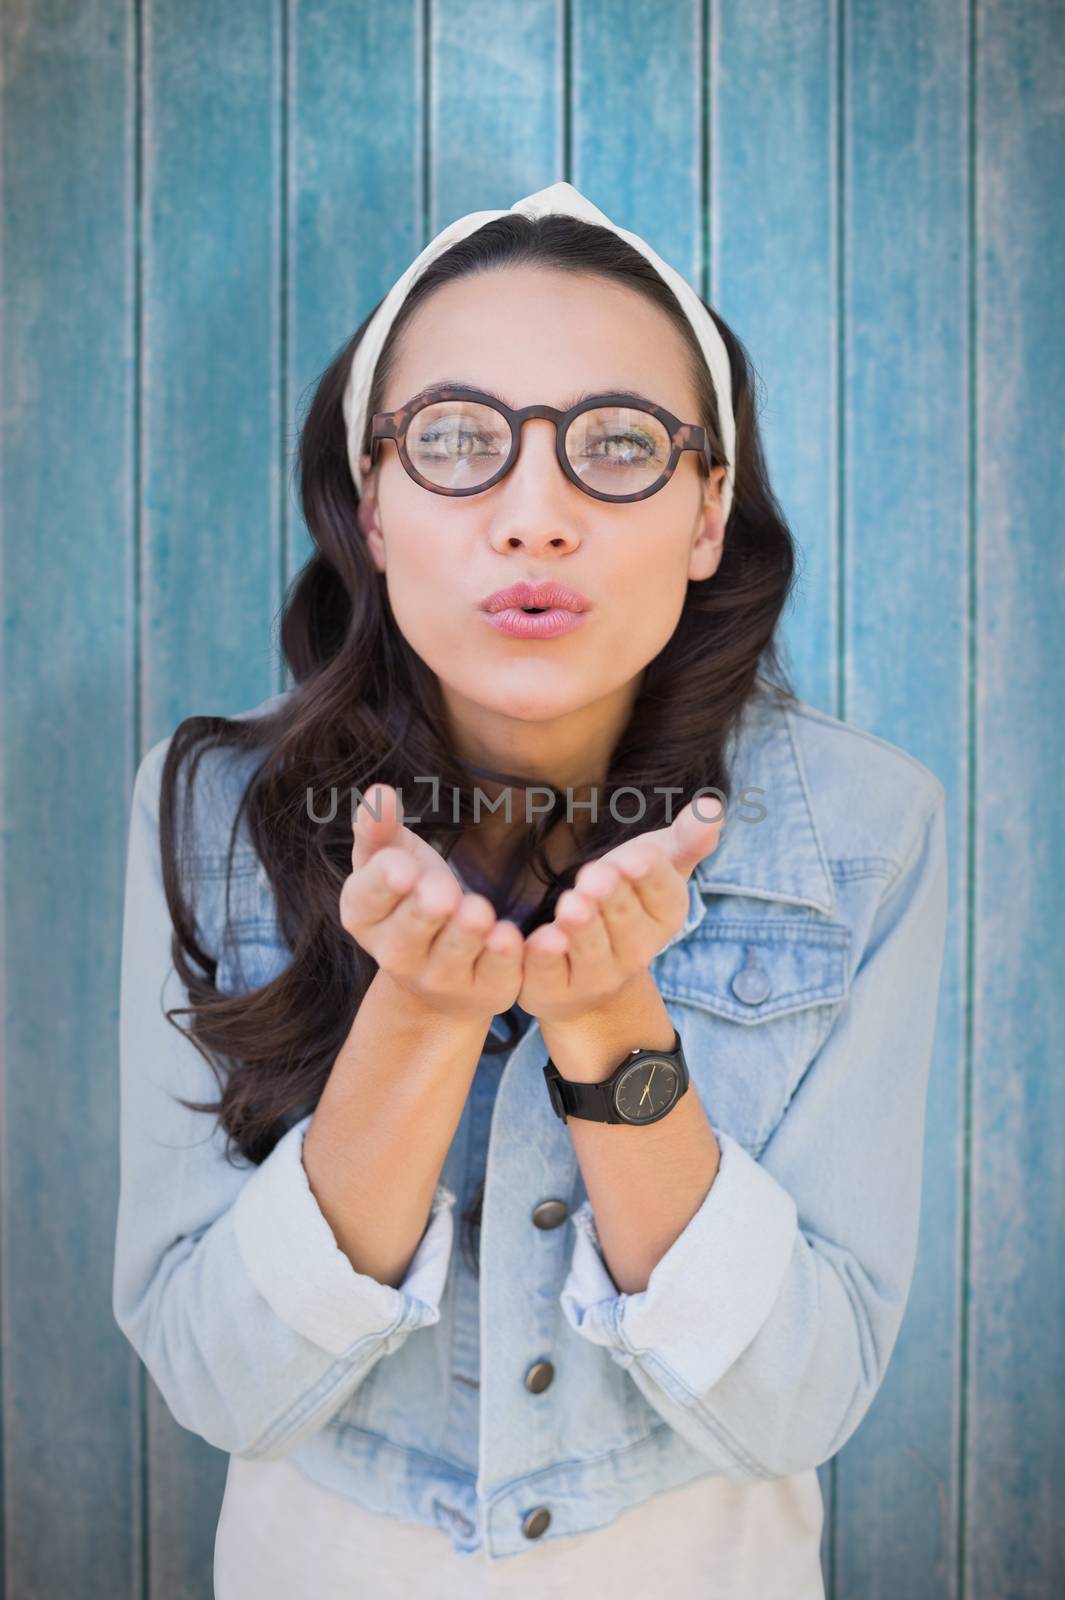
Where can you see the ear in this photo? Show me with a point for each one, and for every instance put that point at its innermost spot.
(709, 532)
(366, 513)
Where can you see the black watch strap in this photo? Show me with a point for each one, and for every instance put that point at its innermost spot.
(595, 1102)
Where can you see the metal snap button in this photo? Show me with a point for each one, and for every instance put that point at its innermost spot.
(536, 1522)
(752, 984)
(539, 1376)
(550, 1213)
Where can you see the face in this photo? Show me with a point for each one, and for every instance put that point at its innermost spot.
(533, 335)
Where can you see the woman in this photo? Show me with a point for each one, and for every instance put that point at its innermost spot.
(445, 1028)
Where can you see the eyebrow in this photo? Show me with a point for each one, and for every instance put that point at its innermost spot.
(574, 400)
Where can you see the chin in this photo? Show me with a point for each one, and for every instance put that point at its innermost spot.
(528, 707)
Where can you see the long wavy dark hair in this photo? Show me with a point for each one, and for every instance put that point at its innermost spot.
(366, 708)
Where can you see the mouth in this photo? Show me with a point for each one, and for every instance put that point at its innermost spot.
(536, 599)
(536, 610)
(521, 624)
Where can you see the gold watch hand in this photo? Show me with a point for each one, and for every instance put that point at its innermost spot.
(647, 1085)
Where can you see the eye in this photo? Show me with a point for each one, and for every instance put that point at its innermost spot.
(618, 449)
(457, 443)
(624, 447)
(452, 443)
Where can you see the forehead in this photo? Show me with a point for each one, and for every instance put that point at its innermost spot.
(534, 335)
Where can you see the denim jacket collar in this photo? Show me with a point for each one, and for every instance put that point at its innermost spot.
(781, 855)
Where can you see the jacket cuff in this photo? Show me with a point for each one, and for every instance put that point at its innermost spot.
(709, 1294)
(293, 1259)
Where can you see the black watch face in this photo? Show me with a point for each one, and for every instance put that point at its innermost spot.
(646, 1090)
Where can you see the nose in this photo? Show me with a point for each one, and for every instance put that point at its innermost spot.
(535, 505)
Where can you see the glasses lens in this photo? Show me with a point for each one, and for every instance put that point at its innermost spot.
(618, 449)
(458, 444)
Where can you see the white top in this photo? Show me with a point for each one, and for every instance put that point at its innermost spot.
(280, 1534)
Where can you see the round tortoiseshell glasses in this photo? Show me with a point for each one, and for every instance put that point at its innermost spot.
(613, 446)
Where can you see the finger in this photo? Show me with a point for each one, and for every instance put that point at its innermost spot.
(545, 967)
(627, 925)
(655, 880)
(695, 832)
(375, 823)
(579, 915)
(406, 936)
(459, 942)
(596, 878)
(371, 893)
(501, 958)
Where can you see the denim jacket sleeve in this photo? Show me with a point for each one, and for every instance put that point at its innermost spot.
(228, 1281)
(766, 1328)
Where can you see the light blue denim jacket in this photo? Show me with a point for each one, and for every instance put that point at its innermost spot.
(804, 984)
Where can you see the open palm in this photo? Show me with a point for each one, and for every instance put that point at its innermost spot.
(622, 909)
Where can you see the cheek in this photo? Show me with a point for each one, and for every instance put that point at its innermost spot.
(431, 603)
(643, 593)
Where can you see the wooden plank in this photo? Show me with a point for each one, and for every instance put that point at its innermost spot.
(211, 488)
(495, 105)
(1014, 1455)
(771, 148)
(355, 187)
(904, 675)
(636, 118)
(212, 266)
(771, 273)
(71, 1493)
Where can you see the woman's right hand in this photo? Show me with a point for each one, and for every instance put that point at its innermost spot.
(403, 904)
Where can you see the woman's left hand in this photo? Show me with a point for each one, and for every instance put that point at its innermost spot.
(621, 911)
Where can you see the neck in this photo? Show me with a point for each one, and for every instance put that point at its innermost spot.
(571, 752)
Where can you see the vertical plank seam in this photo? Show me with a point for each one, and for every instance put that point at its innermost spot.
(280, 675)
(971, 746)
(565, 31)
(140, 732)
(838, 198)
(425, 102)
(705, 186)
(4, 1121)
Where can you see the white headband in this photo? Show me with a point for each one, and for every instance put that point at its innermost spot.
(558, 197)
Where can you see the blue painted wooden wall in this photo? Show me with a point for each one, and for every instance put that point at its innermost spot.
(201, 201)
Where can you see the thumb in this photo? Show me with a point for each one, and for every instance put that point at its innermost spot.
(376, 822)
(695, 832)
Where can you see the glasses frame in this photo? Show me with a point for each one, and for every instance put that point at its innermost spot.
(683, 436)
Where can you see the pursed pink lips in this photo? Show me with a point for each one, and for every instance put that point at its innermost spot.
(535, 610)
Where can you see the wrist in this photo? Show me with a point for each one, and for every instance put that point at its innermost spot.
(422, 1010)
(589, 1047)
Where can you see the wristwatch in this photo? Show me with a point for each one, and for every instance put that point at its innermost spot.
(643, 1088)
